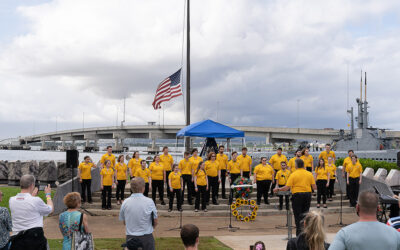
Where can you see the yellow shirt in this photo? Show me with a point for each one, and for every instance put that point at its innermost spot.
(86, 170)
(201, 178)
(186, 166)
(167, 161)
(354, 170)
(322, 173)
(107, 176)
(264, 172)
(276, 160)
(324, 155)
(144, 173)
(308, 160)
(195, 162)
(222, 161)
(282, 176)
(347, 161)
(175, 180)
(292, 164)
(234, 166)
(121, 171)
(300, 181)
(245, 162)
(212, 168)
(157, 171)
(134, 164)
(108, 157)
(332, 170)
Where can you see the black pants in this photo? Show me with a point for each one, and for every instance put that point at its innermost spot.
(347, 186)
(146, 190)
(301, 205)
(31, 239)
(246, 174)
(234, 177)
(331, 188)
(354, 186)
(281, 200)
(120, 194)
(178, 193)
(262, 190)
(157, 185)
(321, 191)
(86, 188)
(223, 180)
(166, 176)
(106, 197)
(187, 181)
(147, 241)
(201, 192)
(212, 188)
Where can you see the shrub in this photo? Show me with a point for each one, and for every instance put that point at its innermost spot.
(375, 165)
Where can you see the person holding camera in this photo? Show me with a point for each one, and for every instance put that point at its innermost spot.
(27, 213)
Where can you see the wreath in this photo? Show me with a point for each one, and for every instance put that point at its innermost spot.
(243, 192)
(252, 213)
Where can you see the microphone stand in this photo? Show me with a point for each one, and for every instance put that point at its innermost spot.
(340, 224)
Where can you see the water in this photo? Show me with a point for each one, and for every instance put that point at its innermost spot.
(34, 154)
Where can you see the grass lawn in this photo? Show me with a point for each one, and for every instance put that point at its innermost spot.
(167, 243)
(12, 191)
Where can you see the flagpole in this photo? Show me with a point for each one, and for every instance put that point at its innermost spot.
(187, 142)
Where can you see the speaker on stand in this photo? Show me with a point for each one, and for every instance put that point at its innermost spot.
(72, 163)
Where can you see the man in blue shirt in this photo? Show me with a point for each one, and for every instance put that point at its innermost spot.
(367, 233)
(139, 215)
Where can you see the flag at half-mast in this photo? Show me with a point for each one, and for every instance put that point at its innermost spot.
(168, 89)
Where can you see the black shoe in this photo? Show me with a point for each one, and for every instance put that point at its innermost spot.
(280, 208)
(180, 210)
(258, 203)
(216, 203)
(224, 197)
(162, 203)
(267, 202)
(109, 208)
(207, 203)
(190, 203)
(103, 208)
(90, 202)
(271, 195)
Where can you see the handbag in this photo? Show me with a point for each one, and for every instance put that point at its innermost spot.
(82, 240)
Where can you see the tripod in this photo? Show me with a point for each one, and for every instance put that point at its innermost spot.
(288, 216)
(340, 224)
(230, 227)
(180, 215)
(180, 222)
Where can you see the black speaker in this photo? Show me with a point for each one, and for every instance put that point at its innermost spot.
(72, 158)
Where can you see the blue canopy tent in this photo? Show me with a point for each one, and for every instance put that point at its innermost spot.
(210, 130)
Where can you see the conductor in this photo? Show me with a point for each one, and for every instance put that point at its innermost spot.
(299, 183)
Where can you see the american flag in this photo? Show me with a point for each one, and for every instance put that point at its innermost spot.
(168, 89)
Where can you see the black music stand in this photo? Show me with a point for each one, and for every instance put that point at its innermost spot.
(230, 227)
(340, 224)
(288, 216)
(180, 215)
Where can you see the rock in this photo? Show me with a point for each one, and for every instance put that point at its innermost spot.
(14, 173)
(3, 172)
(30, 167)
(47, 171)
(63, 172)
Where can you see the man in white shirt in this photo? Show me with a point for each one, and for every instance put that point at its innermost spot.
(139, 215)
(27, 213)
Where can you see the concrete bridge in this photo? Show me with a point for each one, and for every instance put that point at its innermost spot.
(154, 132)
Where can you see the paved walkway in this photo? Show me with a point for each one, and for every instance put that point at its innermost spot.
(272, 242)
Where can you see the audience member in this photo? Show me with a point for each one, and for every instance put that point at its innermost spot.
(395, 221)
(190, 236)
(27, 213)
(259, 245)
(5, 226)
(313, 235)
(139, 215)
(72, 220)
(367, 233)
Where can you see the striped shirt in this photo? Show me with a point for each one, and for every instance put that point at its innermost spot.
(395, 223)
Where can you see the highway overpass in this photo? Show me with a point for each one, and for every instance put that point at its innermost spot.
(154, 132)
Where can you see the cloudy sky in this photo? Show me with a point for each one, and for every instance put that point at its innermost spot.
(251, 62)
